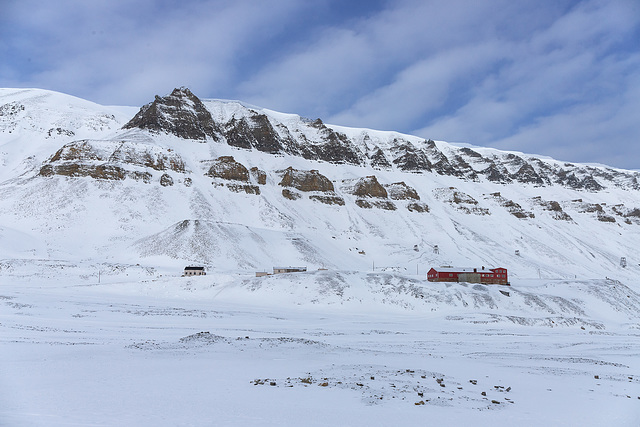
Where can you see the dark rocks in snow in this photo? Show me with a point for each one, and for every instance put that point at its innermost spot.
(60, 132)
(291, 195)
(110, 160)
(408, 157)
(469, 152)
(569, 179)
(401, 191)
(226, 167)
(306, 180)
(109, 172)
(551, 205)
(380, 204)
(369, 187)
(166, 180)
(181, 113)
(265, 137)
(78, 150)
(514, 208)
(258, 175)
(246, 188)
(527, 174)
(238, 134)
(589, 183)
(327, 200)
(460, 200)
(418, 207)
(379, 160)
(440, 162)
(497, 174)
(253, 132)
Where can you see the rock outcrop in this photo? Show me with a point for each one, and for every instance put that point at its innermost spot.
(512, 207)
(554, 207)
(254, 131)
(258, 175)
(460, 201)
(401, 191)
(367, 187)
(111, 160)
(226, 167)
(181, 113)
(311, 180)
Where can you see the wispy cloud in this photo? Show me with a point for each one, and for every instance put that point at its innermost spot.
(553, 78)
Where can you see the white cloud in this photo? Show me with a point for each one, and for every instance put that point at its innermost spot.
(520, 75)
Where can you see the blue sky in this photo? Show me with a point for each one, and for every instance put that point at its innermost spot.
(552, 77)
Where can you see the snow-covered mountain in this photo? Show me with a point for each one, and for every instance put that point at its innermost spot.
(102, 207)
(237, 187)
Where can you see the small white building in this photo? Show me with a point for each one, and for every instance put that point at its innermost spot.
(194, 271)
(280, 270)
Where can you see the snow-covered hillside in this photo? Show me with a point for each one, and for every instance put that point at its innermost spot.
(101, 208)
(241, 194)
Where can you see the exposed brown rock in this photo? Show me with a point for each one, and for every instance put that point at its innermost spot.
(166, 180)
(328, 200)
(418, 207)
(379, 160)
(77, 150)
(226, 167)
(140, 176)
(291, 195)
(551, 205)
(181, 113)
(384, 204)
(512, 207)
(401, 191)
(407, 157)
(247, 188)
(380, 204)
(109, 172)
(306, 180)
(119, 152)
(369, 187)
(460, 201)
(363, 204)
(259, 175)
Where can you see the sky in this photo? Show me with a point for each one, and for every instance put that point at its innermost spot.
(559, 78)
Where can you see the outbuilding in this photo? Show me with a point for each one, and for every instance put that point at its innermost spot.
(194, 271)
(279, 270)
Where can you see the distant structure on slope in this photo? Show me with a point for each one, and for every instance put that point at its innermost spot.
(194, 271)
(491, 276)
(280, 270)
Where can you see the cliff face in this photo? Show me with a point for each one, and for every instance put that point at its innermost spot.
(181, 113)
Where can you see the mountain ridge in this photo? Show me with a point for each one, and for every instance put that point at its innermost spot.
(351, 197)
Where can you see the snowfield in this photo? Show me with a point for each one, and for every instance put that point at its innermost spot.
(143, 347)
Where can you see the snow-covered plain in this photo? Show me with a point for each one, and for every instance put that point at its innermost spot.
(315, 348)
(98, 328)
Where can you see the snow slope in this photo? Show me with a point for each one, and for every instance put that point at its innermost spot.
(97, 223)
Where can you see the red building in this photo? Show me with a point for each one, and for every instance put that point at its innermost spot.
(490, 276)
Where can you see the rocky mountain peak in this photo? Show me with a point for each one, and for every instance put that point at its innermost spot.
(180, 113)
